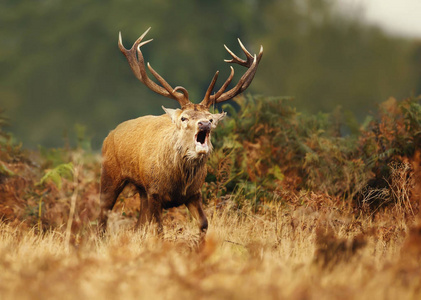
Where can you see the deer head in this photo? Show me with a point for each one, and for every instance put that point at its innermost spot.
(194, 121)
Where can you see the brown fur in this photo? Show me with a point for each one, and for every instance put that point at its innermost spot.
(157, 154)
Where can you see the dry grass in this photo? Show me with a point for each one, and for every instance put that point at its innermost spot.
(281, 253)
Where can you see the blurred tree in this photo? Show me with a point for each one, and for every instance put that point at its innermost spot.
(60, 64)
(417, 66)
(324, 59)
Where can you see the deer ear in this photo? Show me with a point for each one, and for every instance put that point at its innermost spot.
(173, 113)
(218, 117)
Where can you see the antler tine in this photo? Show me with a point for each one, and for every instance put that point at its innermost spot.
(131, 54)
(183, 90)
(137, 64)
(161, 80)
(248, 54)
(207, 100)
(141, 65)
(242, 84)
(250, 77)
(135, 44)
(225, 85)
(235, 58)
(251, 63)
(183, 100)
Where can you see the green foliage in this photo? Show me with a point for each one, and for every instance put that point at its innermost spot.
(4, 170)
(271, 148)
(57, 174)
(9, 149)
(270, 143)
(263, 151)
(4, 136)
(393, 135)
(54, 157)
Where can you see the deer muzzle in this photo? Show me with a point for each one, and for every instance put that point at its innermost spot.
(202, 137)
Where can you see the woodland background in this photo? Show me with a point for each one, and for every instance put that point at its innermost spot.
(61, 72)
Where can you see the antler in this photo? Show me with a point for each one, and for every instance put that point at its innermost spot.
(251, 63)
(137, 65)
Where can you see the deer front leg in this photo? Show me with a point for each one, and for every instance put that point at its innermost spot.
(144, 212)
(195, 207)
(155, 210)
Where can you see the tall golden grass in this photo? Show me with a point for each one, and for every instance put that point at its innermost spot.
(281, 253)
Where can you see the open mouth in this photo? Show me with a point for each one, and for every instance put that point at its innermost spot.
(201, 136)
(201, 139)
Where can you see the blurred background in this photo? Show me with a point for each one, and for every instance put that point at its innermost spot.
(61, 72)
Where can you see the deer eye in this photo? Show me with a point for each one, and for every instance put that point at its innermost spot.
(211, 120)
(183, 119)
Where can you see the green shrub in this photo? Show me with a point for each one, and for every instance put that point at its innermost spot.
(266, 147)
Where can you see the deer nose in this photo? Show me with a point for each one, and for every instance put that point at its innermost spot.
(204, 125)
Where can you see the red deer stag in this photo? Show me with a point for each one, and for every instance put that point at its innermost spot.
(165, 156)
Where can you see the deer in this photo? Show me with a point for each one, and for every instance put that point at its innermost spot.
(165, 156)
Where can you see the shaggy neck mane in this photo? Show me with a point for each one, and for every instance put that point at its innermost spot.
(184, 160)
(187, 161)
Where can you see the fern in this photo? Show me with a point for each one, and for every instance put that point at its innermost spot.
(4, 170)
(57, 174)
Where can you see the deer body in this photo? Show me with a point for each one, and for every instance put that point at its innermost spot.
(165, 156)
(156, 164)
(151, 162)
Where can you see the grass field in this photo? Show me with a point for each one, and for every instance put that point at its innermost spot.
(280, 253)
